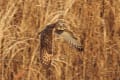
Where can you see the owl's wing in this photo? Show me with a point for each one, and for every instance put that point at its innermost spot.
(46, 46)
(68, 37)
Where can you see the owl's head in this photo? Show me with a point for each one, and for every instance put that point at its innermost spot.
(60, 27)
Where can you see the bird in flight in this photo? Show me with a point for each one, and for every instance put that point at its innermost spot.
(46, 41)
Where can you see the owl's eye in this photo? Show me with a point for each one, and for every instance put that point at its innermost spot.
(60, 28)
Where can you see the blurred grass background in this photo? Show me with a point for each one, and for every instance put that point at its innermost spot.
(96, 22)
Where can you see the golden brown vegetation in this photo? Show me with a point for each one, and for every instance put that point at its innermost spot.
(96, 22)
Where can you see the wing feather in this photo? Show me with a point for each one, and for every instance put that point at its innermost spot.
(46, 46)
(68, 37)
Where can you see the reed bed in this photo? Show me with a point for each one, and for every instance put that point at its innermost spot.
(95, 22)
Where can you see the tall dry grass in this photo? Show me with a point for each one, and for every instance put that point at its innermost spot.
(95, 22)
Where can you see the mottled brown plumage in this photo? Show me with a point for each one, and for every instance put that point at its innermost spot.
(46, 43)
(46, 51)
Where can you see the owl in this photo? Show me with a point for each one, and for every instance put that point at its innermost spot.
(46, 41)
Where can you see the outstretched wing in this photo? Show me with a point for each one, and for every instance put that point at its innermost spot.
(70, 38)
(46, 45)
